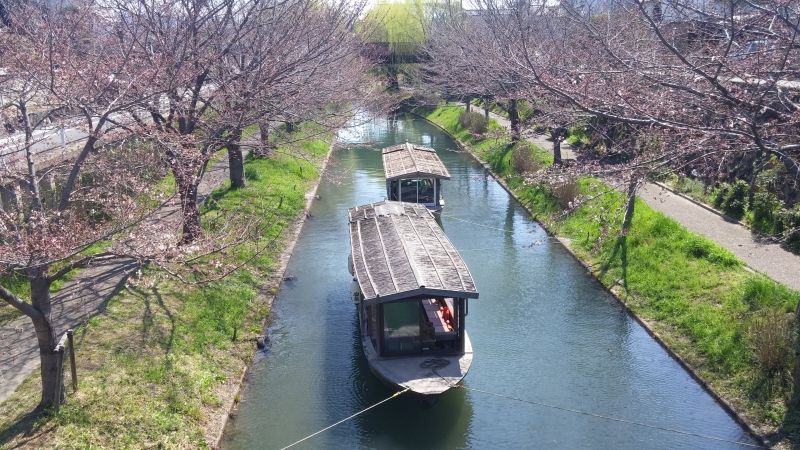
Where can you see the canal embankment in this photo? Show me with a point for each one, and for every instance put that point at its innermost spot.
(163, 362)
(730, 328)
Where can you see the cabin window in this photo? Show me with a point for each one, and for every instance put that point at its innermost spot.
(393, 194)
(417, 190)
(401, 331)
(429, 325)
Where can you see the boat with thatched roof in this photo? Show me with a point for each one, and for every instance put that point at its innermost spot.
(414, 174)
(411, 288)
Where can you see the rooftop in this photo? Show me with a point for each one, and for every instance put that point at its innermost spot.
(411, 160)
(399, 251)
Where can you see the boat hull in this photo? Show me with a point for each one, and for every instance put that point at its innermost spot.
(424, 375)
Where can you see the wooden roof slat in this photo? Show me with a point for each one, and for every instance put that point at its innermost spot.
(399, 251)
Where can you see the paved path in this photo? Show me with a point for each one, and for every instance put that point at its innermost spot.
(82, 298)
(761, 255)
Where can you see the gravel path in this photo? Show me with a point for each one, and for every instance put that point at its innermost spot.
(83, 297)
(760, 255)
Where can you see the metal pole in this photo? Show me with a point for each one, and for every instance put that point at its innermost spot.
(73, 368)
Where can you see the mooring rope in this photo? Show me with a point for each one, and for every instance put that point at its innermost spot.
(615, 419)
(396, 394)
(476, 223)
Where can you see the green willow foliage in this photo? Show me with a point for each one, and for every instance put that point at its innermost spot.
(403, 25)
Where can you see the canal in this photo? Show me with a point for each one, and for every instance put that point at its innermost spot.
(543, 331)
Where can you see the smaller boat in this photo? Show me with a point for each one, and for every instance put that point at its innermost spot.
(411, 289)
(413, 174)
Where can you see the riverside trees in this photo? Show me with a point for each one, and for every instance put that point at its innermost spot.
(225, 65)
(667, 85)
(181, 78)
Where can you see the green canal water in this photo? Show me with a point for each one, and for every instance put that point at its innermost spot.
(542, 330)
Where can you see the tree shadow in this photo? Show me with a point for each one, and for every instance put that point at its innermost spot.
(25, 428)
(621, 249)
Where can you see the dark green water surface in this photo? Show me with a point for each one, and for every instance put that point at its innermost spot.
(542, 330)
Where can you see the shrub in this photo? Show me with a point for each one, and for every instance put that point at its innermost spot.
(522, 160)
(771, 337)
(766, 209)
(565, 192)
(735, 199)
(473, 121)
(719, 194)
(790, 224)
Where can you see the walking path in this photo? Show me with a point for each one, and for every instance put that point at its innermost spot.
(83, 297)
(759, 254)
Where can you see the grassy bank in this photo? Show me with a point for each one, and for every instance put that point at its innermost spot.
(157, 367)
(735, 328)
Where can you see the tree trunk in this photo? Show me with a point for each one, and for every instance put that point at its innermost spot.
(51, 373)
(394, 82)
(235, 159)
(69, 185)
(486, 105)
(468, 103)
(187, 190)
(191, 215)
(557, 151)
(263, 149)
(557, 134)
(513, 115)
(629, 206)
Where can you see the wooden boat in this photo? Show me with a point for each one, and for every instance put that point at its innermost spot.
(414, 174)
(411, 287)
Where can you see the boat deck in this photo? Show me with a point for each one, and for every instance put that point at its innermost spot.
(423, 374)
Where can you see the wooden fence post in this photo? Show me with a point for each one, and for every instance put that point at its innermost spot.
(59, 392)
(73, 367)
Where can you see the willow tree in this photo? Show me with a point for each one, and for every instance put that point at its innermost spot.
(397, 31)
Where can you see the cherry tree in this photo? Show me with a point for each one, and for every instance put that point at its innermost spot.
(66, 199)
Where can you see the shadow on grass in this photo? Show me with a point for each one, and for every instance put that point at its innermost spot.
(25, 429)
(621, 249)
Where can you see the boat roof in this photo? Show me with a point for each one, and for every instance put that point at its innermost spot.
(399, 251)
(412, 160)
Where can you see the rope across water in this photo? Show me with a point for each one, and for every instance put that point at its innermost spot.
(396, 394)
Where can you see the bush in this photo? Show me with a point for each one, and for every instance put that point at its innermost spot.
(718, 197)
(790, 224)
(522, 159)
(736, 199)
(766, 208)
(771, 337)
(565, 192)
(476, 122)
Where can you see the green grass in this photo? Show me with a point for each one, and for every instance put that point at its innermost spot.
(20, 286)
(494, 147)
(695, 294)
(154, 366)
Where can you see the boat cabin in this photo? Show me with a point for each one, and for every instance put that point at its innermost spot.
(414, 174)
(411, 288)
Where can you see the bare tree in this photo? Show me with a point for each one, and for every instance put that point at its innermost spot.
(44, 236)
